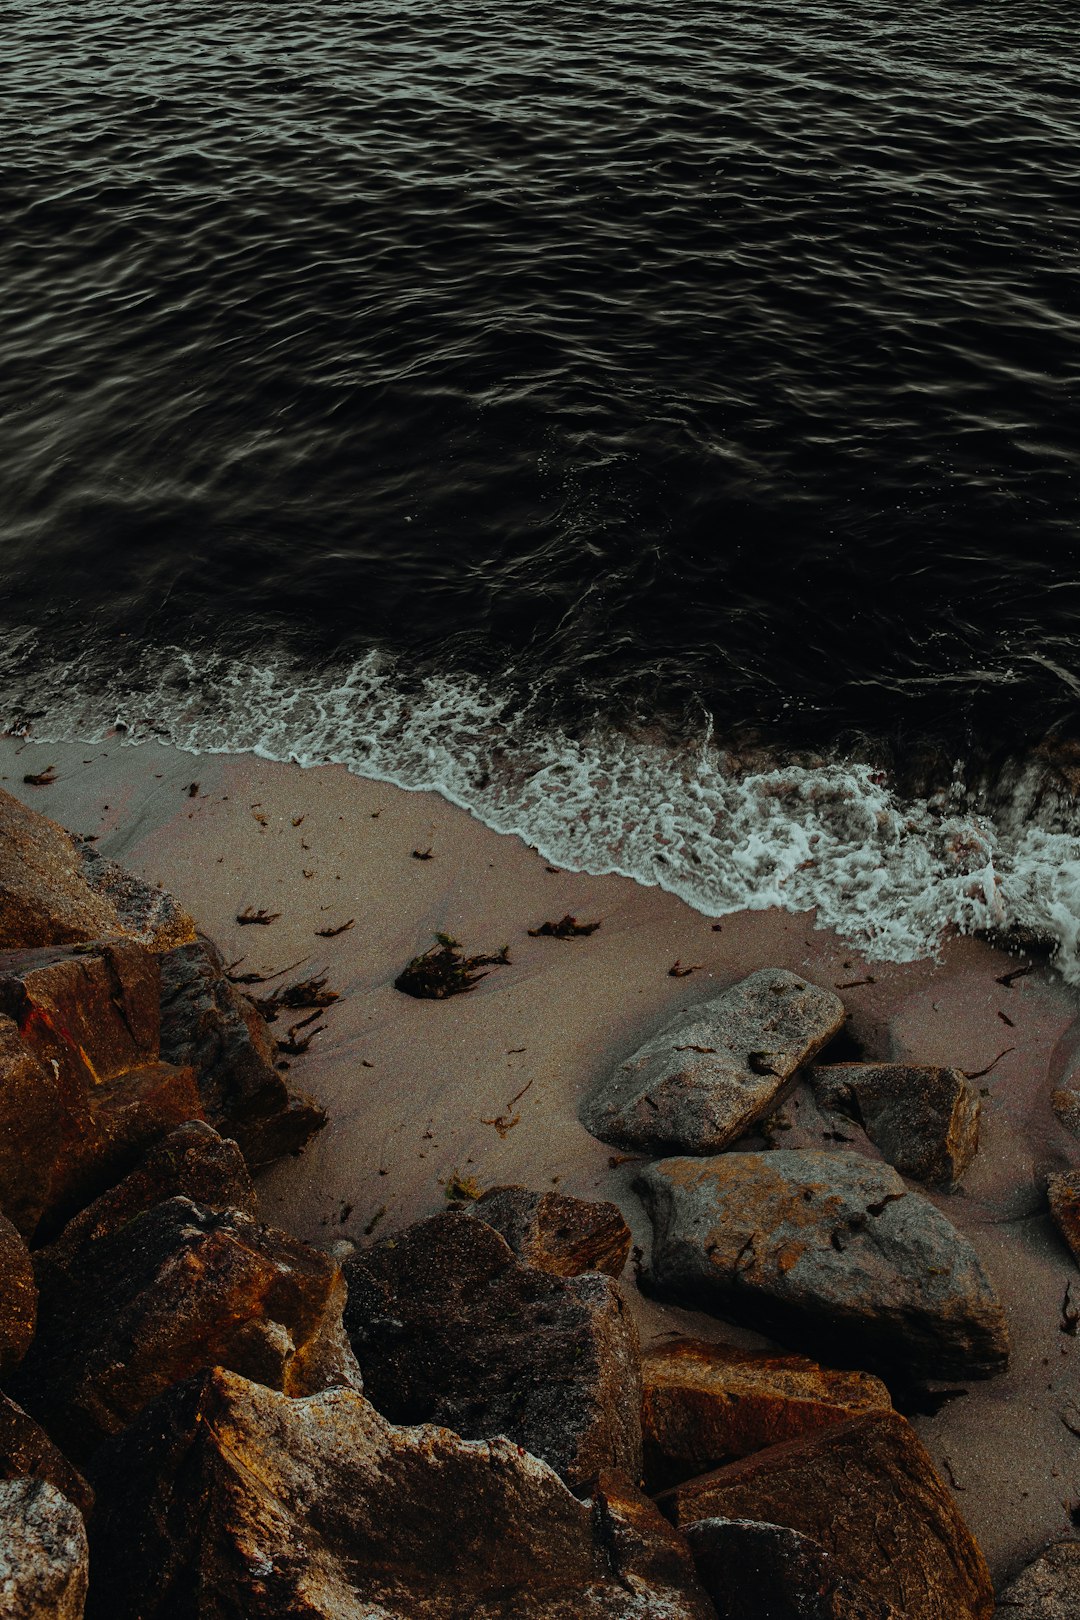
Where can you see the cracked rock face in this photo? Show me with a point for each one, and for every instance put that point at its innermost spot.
(230, 1499)
(924, 1120)
(829, 1251)
(43, 1553)
(868, 1494)
(448, 1326)
(1048, 1589)
(716, 1070)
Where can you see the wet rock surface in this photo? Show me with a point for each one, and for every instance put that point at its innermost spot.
(552, 1232)
(43, 1553)
(208, 1023)
(828, 1251)
(1048, 1589)
(18, 1298)
(449, 1327)
(867, 1492)
(706, 1404)
(714, 1071)
(175, 1289)
(766, 1572)
(231, 1499)
(26, 1452)
(924, 1120)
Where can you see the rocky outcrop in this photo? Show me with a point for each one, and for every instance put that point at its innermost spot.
(867, 1492)
(31, 1125)
(555, 1233)
(450, 1327)
(18, 1298)
(924, 1120)
(26, 1452)
(827, 1250)
(208, 1024)
(1063, 1194)
(230, 1499)
(714, 1071)
(89, 1016)
(1048, 1589)
(766, 1572)
(706, 1404)
(176, 1289)
(43, 1553)
(56, 890)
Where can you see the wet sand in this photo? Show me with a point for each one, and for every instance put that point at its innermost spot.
(484, 1087)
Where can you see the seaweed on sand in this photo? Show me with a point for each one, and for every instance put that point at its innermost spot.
(566, 928)
(307, 993)
(445, 971)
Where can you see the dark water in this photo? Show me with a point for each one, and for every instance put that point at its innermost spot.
(654, 356)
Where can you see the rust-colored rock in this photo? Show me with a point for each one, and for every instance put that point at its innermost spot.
(1063, 1193)
(555, 1233)
(924, 1120)
(1066, 1105)
(707, 1404)
(31, 1129)
(43, 1553)
(868, 1493)
(175, 1289)
(206, 1022)
(229, 1499)
(450, 1327)
(18, 1298)
(766, 1572)
(26, 1452)
(57, 890)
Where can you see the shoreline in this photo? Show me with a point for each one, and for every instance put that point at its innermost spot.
(485, 1086)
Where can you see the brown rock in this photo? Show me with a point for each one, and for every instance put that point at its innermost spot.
(1048, 1589)
(766, 1572)
(26, 1452)
(18, 1298)
(707, 1077)
(1063, 1193)
(229, 1499)
(43, 1553)
(1066, 1105)
(829, 1251)
(924, 1120)
(707, 1404)
(867, 1492)
(178, 1288)
(552, 1232)
(450, 1327)
(56, 890)
(206, 1022)
(31, 1128)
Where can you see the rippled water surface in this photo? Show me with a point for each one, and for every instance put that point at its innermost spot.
(658, 354)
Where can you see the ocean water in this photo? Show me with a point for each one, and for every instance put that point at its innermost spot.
(654, 427)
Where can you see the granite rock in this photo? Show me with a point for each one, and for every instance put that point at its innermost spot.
(706, 1404)
(924, 1120)
(715, 1070)
(449, 1327)
(828, 1251)
(43, 1553)
(1048, 1589)
(229, 1499)
(867, 1492)
(555, 1233)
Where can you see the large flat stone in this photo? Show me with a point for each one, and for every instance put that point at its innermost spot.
(714, 1071)
(829, 1252)
(450, 1327)
(867, 1492)
(229, 1499)
(924, 1120)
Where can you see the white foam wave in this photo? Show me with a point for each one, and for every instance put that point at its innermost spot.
(891, 875)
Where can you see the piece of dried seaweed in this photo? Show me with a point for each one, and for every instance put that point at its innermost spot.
(566, 928)
(445, 971)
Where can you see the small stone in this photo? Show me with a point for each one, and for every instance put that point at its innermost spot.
(829, 1251)
(924, 1120)
(707, 1404)
(27, 1452)
(44, 1559)
(1063, 1193)
(1048, 1589)
(767, 1572)
(713, 1072)
(556, 1233)
(867, 1492)
(450, 1327)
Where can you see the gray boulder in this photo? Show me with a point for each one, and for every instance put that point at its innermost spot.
(712, 1073)
(1048, 1589)
(924, 1120)
(43, 1553)
(830, 1251)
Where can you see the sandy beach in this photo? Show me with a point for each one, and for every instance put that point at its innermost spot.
(483, 1089)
